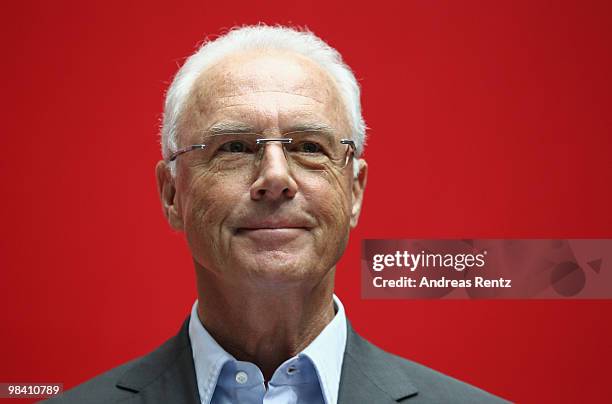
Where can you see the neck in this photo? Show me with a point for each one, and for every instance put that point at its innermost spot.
(264, 327)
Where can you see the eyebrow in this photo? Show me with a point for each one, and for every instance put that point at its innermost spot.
(224, 128)
(310, 127)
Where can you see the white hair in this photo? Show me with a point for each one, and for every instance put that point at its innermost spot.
(261, 36)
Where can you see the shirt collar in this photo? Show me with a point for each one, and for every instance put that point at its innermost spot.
(326, 352)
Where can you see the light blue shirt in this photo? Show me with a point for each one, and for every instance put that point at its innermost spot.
(312, 376)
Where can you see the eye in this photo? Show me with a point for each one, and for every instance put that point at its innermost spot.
(234, 147)
(310, 147)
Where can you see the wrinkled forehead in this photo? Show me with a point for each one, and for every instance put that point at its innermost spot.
(261, 85)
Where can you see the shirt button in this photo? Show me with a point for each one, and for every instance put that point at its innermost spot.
(241, 377)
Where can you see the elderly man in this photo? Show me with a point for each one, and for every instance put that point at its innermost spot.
(261, 138)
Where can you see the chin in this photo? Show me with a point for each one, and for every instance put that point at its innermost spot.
(280, 267)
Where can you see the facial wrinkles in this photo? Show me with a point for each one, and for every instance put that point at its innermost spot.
(269, 105)
(213, 220)
(269, 115)
(309, 97)
(338, 206)
(197, 205)
(328, 205)
(206, 193)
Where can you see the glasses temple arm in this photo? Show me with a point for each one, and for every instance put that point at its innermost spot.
(177, 153)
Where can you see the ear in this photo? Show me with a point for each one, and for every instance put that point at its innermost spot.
(167, 195)
(359, 183)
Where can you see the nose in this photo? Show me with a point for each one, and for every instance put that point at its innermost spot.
(274, 180)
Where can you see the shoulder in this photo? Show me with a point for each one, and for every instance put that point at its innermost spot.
(100, 389)
(163, 375)
(404, 378)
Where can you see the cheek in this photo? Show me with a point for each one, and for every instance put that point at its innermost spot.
(209, 203)
(330, 200)
(330, 203)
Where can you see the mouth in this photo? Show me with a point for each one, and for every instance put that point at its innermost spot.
(273, 231)
(271, 237)
(271, 225)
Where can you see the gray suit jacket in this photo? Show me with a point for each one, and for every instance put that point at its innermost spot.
(369, 375)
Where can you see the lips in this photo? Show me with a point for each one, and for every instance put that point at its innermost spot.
(273, 224)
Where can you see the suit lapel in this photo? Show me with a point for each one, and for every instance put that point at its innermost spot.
(167, 375)
(369, 375)
(356, 387)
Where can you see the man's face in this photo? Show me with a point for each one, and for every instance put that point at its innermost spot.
(273, 224)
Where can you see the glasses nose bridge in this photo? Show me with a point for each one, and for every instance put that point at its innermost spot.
(263, 142)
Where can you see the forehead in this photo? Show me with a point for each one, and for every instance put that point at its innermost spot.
(266, 90)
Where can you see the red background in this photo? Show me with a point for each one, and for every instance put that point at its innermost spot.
(487, 120)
